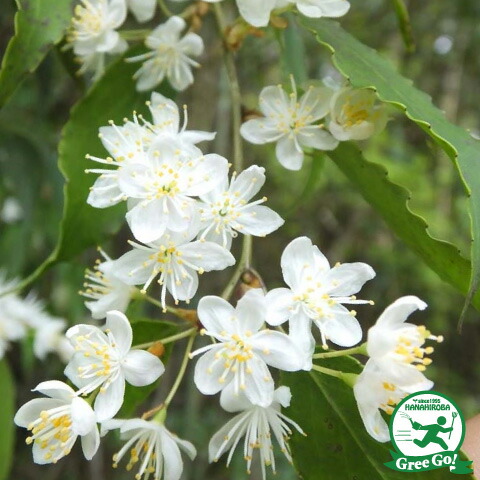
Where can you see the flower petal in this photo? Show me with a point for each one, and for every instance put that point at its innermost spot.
(29, 412)
(121, 330)
(348, 278)
(279, 301)
(296, 258)
(208, 372)
(83, 417)
(109, 401)
(142, 368)
(259, 221)
(251, 311)
(55, 389)
(289, 154)
(90, 443)
(215, 314)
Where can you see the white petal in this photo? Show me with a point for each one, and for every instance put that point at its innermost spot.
(142, 9)
(279, 301)
(259, 221)
(207, 255)
(259, 384)
(55, 389)
(343, 330)
(148, 221)
(315, 137)
(288, 154)
(256, 13)
(90, 443)
(274, 102)
(348, 278)
(142, 368)
(109, 401)
(215, 314)
(238, 424)
(232, 401)
(29, 412)
(249, 182)
(173, 464)
(128, 267)
(207, 373)
(165, 113)
(396, 314)
(277, 350)
(105, 192)
(121, 330)
(283, 396)
(300, 331)
(260, 131)
(251, 311)
(83, 417)
(297, 256)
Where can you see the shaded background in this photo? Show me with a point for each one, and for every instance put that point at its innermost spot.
(318, 202)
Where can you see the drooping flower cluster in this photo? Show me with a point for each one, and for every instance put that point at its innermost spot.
(395, 368)
(181, 206)
(294, 124)
(19, 316)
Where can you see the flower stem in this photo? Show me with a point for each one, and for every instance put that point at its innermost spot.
(173, 338)
(360, 350)
(235, 93)
(165, 10)
(243, 264)
(349, 378)
(181, 372)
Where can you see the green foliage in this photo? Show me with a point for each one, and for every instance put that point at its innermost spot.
(365, 68)
(113, 97)
(7, 438)
(391, 202)
(39, 25)
(146, 331)
(337, 445)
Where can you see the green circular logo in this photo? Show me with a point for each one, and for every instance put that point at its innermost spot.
(426, 423)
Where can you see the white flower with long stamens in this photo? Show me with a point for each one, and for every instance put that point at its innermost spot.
(170, 56)
(154, 450)
(317, 294)
(104, 360)
(243, 349)
(143, 10)
(106, 291)
(226, 209)
(292, 123)
(318, 8)
(129, 144)
(355, 114)
(56, 422)
(176, 260)
(374, 392)
(258, 425)
(162, 191)
(93, 33)
(397, 347)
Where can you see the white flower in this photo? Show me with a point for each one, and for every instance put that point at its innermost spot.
(319, 8)
(397, 347)
(317, 294)
(57, 421)
(292, 123)
(49, 337)
(374, 392)
(152, 447)
(106, 290)
(162, 191)
(255, 12)
(129, 144)
(243, 349)
(258, 425)
(143, 10)
(227, 210)
(104, 360)
(169, 57)
(176, 260)
(11, 211)
(355, 114)
(93, 33)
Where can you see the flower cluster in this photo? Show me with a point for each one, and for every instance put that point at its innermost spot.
(319, 119)
(19, 316)
(171, 53)
(182, 207)
(103, 361)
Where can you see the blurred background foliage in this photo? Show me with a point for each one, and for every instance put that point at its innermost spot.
(318, 202)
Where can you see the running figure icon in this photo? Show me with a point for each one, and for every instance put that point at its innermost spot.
(432, 432)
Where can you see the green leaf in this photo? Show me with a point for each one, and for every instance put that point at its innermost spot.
(7, 438)
(39, 25)
(146, 331)
(365, 68)
(337, 445)
(113, 97)
(391, 202)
